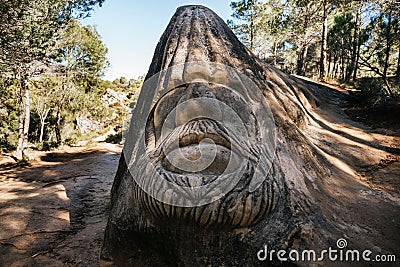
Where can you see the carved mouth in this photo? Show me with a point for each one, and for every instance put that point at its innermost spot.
(195, 132)
(202, 147)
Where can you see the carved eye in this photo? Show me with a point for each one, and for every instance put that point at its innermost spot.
(164, 107)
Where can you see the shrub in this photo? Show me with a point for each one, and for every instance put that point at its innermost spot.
(114, 138)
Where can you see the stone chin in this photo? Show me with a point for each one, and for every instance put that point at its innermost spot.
(200, 165)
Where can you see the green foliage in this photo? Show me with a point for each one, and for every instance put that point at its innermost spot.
(114, 138)
(381, 34)
(245, 24)
(369, 88)
(59, 97)
(82, 54)
(29, 29)
(281, 31)
(363, 37)
(8, 114)
(46, 146)
(370, 93)
(79, 102)
(29, 33)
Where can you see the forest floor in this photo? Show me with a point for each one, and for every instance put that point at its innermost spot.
(53, 211)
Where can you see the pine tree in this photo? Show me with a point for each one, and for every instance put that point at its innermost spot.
(28, 32)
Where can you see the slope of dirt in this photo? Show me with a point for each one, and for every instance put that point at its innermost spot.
(368, 205)
(374, 135)
(383, 120)
(53, 211)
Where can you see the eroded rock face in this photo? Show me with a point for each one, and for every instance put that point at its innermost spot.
(214, 164)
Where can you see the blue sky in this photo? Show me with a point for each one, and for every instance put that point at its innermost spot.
(131, 29)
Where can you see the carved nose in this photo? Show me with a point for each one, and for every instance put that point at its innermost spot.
(198, 102)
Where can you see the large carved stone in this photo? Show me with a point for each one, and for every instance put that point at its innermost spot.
(218, 161)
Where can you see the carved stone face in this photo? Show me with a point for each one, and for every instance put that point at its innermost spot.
(207, 157)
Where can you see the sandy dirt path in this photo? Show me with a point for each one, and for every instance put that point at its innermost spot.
(54, 211)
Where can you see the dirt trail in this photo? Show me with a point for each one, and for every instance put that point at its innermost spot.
(367, 141)
(54, 211)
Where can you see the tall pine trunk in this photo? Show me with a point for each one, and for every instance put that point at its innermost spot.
(252, 31)
(352, 71)
(388, 44)
(59, 110)
(23, 118)
(322, 69)
(398, 69)
(335, 65)
(301, 61)
(389, 40)
(342, 59)
(58, 128)
(329, 72)
(275, 54)
(357, 60)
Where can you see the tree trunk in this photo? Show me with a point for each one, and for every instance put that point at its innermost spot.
(322, 69)
(386, 91)
(27, 117)
(398, 68)
(301, 61)
(357, 60)
(60, 108)
(23, 118)
(252, 30)
(342, 73)
(43, 117)
(352, 72)
(58, 127)
(41, 131)
(274, 54)
(346, 65)
(335, 65)
(388, 44)
(329, 64)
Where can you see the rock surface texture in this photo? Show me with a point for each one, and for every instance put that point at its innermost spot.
(271, 179)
